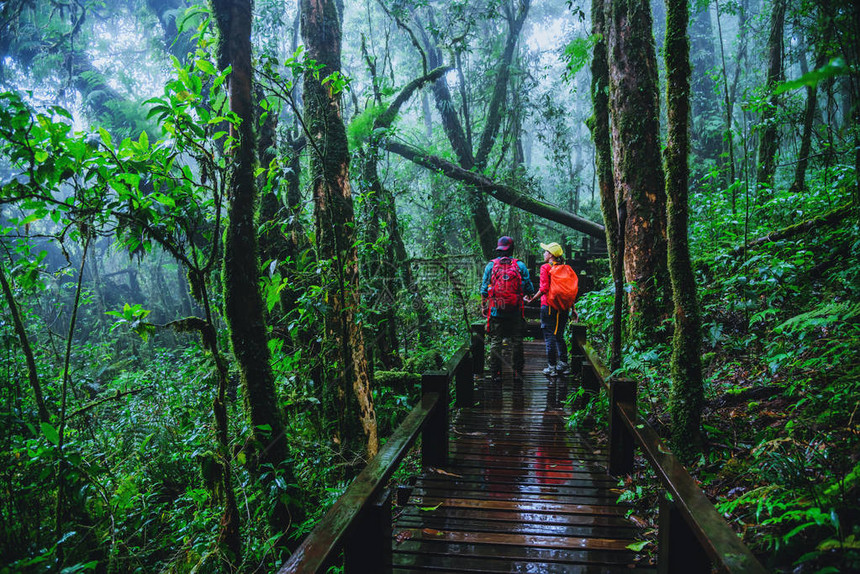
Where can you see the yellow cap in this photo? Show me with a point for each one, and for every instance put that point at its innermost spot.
(554, 249)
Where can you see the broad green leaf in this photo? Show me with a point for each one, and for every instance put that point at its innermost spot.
(206, 66)
(106, 139)
(638, 546)
(836, 67)
(51, 433)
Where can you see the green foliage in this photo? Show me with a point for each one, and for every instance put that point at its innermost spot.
(361, 125)
(834, 68)
(133, 316)
(588, 410)
(577, 54)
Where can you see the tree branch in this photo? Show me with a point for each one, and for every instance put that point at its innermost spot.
(384, 120)
(504, 193)
(829, 218)
(117, 394)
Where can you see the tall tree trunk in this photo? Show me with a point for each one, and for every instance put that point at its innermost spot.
(243, 302)
(598, 123)
(799, 183)
(335, 221)
(728, 99)
(769, 138)
(687, 395)
(32, 373)
(707, 138)
(634, 108)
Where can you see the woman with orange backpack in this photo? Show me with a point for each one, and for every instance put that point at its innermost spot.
(559, 286)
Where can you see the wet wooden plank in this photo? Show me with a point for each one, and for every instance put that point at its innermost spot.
(509, 539)
(436, 547)
(510, 517)
(470, 523)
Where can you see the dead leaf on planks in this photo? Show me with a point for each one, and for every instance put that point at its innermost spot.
(444, 472)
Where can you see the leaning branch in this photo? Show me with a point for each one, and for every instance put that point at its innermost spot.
(384, 120)
(117, 394)
(504, 193)
(829, 218)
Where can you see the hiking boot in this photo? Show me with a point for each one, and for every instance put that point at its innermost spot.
(562, 367)
(549, 370)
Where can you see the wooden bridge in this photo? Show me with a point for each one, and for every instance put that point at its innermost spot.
(506, 487)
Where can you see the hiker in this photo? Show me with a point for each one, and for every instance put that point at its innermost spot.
(505, 282)
(559, 286)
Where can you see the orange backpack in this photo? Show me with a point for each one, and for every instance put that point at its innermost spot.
(563, 287)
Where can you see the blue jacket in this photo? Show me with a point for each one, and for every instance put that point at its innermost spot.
(528, 288)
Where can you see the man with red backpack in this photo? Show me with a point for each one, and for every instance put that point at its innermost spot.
(559, 287)
(505, 282)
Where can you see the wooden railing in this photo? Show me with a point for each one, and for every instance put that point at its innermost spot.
(693, 536)
(359, 523)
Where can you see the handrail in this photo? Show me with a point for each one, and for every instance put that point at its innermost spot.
(359, 522)
(693, 535)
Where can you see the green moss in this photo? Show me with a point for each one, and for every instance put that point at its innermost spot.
(361, 125)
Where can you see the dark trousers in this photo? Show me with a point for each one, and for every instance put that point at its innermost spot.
(510, 328)
(552, 323)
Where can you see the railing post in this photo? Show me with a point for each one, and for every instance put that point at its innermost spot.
(679, 551)
(465, 381)
(434, 438)
(577, 356)
(620, 439)
(477, 344)
(368, 546)
(589, 377)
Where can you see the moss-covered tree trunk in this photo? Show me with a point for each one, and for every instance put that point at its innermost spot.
(687, 395)
(243, 301)
(352, 403)
(598, 123)
(638, 170)
(769, 138)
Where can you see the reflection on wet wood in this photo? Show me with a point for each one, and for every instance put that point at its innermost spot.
(519, 492)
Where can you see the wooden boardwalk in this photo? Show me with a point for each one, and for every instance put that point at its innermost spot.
(521, 493)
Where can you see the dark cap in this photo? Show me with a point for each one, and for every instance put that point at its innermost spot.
(505, 243)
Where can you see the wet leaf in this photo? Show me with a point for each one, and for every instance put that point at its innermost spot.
(638, 546)
(429, 508)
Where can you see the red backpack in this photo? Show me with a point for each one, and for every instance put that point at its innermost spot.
(506, 285)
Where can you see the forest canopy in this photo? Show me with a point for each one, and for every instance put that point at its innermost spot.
(235, 233)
